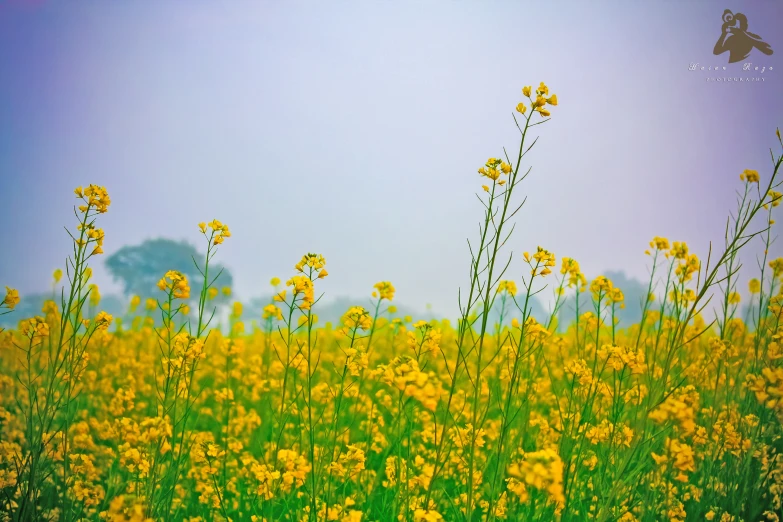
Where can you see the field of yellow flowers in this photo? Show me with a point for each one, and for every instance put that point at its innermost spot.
(165, 417)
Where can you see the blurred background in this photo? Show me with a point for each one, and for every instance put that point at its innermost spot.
(355, 129)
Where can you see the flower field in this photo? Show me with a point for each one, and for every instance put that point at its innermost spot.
(163, 416)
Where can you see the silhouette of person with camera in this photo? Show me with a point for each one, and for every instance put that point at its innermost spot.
(736, 39)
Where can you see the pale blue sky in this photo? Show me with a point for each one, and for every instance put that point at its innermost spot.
(354, 129)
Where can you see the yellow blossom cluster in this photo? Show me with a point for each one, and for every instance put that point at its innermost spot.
(405, 374)
(384, 290)
(510, 287)
(175, 283)
(543, 258)
(95, 197)
(542, 470)
(750, 176)
(571, 268)
(218, 231)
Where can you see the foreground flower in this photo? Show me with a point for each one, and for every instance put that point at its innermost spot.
(751, 176)
(507, 286)
(385, 290)
(96, 198)
(315, 262)
(177, 283)
(11, 298)
(219, 231)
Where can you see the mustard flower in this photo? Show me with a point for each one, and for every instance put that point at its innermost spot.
(751, 176)
(271, 311)
(96, 198)
(659, 243)
(679, 250)
(219, 231)
(103, 320)
(314, 261)
(357, 317)
(385, 290)
(34, 327)
(175, 282)
(507, 286)
(303, 286)
(774, 197)
(11, 298)
(544, 258)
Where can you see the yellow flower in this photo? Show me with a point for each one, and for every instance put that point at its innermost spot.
(507, 286)
(271, 311)
(302, 286)
(275, 281)
(220, 231)
(95, 295)
(552, 100)
(679, 250)
(754, 286)
(96, 197)
(103, 320)
(11, 298)
(526, 91)
(314, 261)
(58, 274)
(521, 108)
(134, 303)
(751, 176)
(385, 290)
(357, 317)
(176, 283)
(660, 243)
(426, 515)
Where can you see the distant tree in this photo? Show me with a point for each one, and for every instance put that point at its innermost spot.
(139, 267)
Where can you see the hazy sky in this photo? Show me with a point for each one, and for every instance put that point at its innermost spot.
(354, 129)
